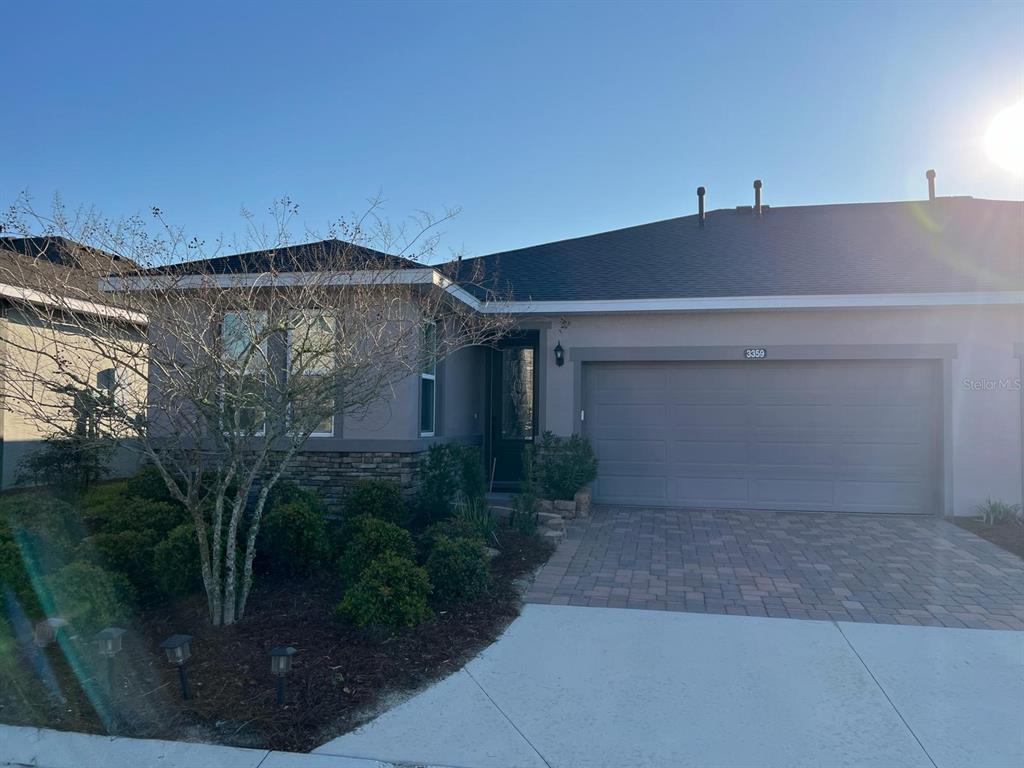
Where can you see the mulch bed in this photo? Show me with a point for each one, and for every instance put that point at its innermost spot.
(1009, 536)
(341, 677)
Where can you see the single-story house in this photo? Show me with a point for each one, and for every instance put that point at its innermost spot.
(834, 358)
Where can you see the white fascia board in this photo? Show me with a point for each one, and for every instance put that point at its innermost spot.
(31, 296)
(726, 303)
(429, 276)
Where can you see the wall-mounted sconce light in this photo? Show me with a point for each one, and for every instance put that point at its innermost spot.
(559, 355)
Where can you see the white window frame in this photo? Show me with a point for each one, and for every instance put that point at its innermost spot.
(288, 372)
(429, 374)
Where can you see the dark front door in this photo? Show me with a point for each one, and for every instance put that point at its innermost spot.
(512, 423)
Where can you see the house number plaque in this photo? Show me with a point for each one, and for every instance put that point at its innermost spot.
(755, 353)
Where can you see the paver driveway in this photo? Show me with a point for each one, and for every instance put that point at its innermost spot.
(873, 568)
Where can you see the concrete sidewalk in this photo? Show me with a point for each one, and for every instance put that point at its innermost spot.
(568, 686)
(60, 749)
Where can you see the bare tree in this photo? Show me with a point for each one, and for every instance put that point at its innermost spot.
(223, 366)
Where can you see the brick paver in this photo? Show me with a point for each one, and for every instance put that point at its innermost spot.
(890, 569)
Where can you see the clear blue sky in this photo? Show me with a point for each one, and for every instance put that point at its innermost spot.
(542, 121)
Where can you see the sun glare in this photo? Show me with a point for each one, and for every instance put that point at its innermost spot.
(1004, 140)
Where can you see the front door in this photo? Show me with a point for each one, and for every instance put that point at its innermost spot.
(512, 422)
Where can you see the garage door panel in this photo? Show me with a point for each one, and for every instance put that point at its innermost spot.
(792, 491)
(682, 416)
(632, 450)
(866, 493)
(638, 415)
(843, 435)
(623, 489)
(709, 452)
(709, 491)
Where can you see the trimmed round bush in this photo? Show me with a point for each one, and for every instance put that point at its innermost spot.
(564, 465)
(126, 552)
(287, 492)
(135, 513)
(392, 592)
(370, 539)
(149, 484)
(176, 564)
(452, 528)
(90, 597)
(459, 570)
(293, 539)
(377, 498)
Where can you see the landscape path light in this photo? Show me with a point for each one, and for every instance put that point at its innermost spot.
(281, 665)
(178, 649)
(109, 641)
(48, 629)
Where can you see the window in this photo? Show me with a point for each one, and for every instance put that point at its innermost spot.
(428, 382)
(312, 339)
(246, 371)
(517, 393)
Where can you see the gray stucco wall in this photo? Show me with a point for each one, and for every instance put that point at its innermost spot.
(983, 415)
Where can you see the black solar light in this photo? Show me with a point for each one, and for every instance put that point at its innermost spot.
(178, 649)
(559, 355)
(109, 641)
(47, 630)
(280, 666)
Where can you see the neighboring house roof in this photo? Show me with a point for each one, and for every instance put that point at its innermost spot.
(49, 271)
(303, 257)
(948, 245)
(62, 252)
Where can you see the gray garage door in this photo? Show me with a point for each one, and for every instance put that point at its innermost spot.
(846, 436)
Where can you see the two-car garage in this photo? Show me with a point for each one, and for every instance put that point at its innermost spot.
(817, 435)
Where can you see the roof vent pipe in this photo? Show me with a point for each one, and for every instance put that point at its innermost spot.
(757, 196)
(700, 206)
(930, 175)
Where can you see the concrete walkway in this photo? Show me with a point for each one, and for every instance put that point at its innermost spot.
(46, 748)
(571, 686)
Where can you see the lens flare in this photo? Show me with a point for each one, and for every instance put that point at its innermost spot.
(1004, 140)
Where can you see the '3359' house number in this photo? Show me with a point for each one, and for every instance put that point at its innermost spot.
(755, 353)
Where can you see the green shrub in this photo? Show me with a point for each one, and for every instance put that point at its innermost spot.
(995, 512)
(15, 576)
(176, 563)
(391, 592)
(370, 539)
(287, 492)
(564, 465)
(293, 538)
(126, 552)
(46, 529)
(148, 483)
(89, 596)
(378, 498)
(472, 477)
(439, 481)
(69, 464)
(459, 569)
(135, 513)
(452, 528)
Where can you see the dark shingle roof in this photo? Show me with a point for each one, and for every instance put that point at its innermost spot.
(303, 257)
(62, 252)
(946, 245)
